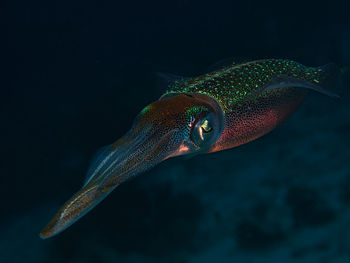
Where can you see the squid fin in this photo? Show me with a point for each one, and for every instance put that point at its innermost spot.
(328, 82)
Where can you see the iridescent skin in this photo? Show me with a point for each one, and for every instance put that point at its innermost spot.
(209, 113)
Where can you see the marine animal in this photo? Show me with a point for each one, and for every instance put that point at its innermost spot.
(216, 111)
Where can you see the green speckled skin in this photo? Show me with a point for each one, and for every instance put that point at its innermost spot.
(235, 83)
(257, 96)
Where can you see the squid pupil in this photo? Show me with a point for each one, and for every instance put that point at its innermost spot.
(205, 127)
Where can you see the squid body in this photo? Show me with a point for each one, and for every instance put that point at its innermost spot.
(212, 112)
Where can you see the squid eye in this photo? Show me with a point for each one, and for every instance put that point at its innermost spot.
(202, 132)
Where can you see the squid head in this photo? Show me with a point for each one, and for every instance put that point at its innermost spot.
(174, 125)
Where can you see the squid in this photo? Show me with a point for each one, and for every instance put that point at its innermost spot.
(212, 112)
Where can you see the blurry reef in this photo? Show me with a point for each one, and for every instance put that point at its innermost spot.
(76, 76)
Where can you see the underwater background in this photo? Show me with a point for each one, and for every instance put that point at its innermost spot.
(76, 73)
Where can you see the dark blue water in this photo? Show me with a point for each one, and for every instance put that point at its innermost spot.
(74, 76)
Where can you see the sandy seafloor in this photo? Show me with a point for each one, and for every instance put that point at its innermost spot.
(77, 74)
